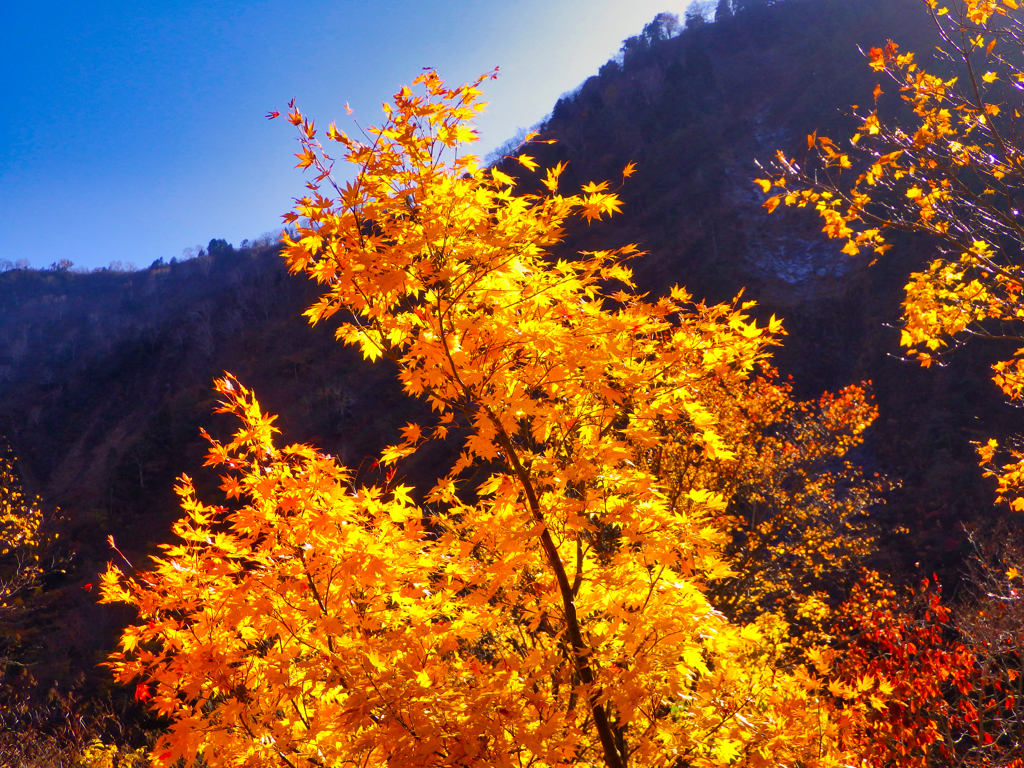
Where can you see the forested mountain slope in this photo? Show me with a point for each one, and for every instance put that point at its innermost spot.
(695, 112)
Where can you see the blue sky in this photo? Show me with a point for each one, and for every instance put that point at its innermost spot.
(133, 130)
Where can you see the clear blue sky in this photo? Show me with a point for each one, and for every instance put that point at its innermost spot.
(135, 129)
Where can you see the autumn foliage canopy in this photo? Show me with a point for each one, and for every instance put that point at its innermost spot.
(641, 548)
(546, 600)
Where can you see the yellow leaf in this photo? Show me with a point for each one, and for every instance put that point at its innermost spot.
(502, 178)
(726, 751)
(400, 494)
(528, 161)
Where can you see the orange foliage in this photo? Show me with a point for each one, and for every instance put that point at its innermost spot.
(917, 685)
(798, 509)
(896, 673)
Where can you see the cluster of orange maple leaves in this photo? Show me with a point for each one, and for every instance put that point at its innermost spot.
(637, 554)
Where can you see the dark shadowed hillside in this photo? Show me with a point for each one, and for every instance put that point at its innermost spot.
(695, 112)
(106, 382)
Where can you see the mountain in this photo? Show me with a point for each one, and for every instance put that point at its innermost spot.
(105, 383)
(695, 112)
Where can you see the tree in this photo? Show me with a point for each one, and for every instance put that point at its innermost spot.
(21, 546)
(955, 174)
(990, 622)
(921, 683)
(662, 27)
(27, 556)
(739, 6)
(697, 13)
(218, 246)
(901, 677)
(723, 10)
(543, 602)
(798, 514)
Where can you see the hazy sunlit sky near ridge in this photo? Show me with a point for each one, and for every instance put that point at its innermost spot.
(132, 130)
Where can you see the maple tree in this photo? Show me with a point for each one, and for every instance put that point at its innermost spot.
(954, 174)
(22, 543)
(915, 682)
(798, 508)
(899, 674)
(545, 601)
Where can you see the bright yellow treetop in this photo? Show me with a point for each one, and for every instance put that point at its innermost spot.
(543, 603)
